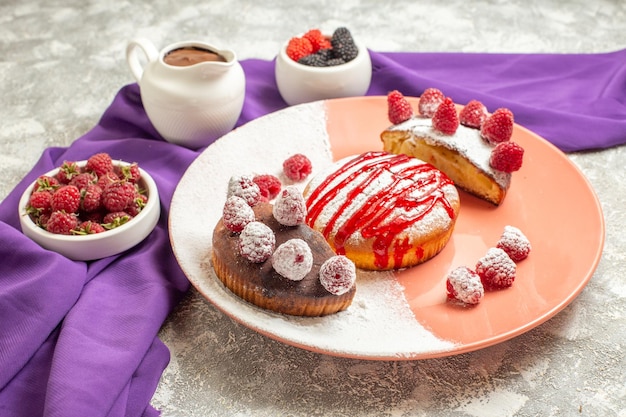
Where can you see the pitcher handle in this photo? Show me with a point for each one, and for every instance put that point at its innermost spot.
(132, 58)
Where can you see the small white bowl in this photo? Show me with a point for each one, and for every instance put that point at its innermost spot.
(299, 83)
(99, 245)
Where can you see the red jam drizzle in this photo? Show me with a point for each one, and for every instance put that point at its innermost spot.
(377, 217)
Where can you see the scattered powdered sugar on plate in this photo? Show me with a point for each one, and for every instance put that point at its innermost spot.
(378, 324)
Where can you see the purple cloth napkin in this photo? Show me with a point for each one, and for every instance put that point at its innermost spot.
(80, 338)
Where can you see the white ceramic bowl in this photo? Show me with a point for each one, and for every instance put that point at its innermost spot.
(298, 83)
(99, 245)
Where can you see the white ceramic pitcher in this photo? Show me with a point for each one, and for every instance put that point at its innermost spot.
(188, 105)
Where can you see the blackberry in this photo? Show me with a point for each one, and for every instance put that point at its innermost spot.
(313, 60)
(318, 59)
(334, 62)
(343, 44)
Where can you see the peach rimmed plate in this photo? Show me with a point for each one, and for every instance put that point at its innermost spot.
(401, 315)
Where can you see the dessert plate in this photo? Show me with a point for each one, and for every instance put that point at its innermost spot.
(401, 315)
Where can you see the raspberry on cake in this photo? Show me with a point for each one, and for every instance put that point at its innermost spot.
(383, 211)
(463, 147)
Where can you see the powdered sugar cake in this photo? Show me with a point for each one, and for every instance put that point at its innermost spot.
(383, 211)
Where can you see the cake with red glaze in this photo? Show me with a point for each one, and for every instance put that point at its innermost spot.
(383, 211)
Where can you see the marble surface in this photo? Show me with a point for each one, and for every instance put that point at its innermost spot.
(62, 63)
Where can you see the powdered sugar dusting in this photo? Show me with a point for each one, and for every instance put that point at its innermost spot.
(378, 324)
(466, 141)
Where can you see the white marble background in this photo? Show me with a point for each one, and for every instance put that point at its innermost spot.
(62, 62)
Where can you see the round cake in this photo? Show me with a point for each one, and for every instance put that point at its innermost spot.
(261, 285)
(383, 211)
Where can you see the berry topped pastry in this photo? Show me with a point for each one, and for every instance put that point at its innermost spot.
(474, 148)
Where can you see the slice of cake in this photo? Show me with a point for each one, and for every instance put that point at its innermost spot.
(478, 158)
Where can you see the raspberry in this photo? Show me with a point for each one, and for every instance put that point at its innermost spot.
(82, 180)
(118, 195)
(67, 171)
(429, 101)
(66, 198)
(46, 183)
(89, 227)
(464, 285)
(343, 45)
(317, 39)
(130, 173)
(514, 243)
(107, 179)
(40, 202)
(289, 207)
(269, 185)
(507, 156)
(297, 167)
(138, 203)
(299, 47)
(398, 108)
(236, 214)
(496, 270)
(338, 275)
(473, 114)
(115, 219)
(99, 164)
(293, 259)
(256, 242)
(498, 127)
(91, 198)
(244, 186)
(445, 119)
(61, 223)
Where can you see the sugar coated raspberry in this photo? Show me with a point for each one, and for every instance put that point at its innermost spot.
(269, 185)
(66, 198)
(256, 242)
(293, 259)
(496, 269)
(514, 243)
(244, 186)
(429, 102)
(290, 208)
(464, 285)
(498, 127)
(398, 108)
(445, 119)
(473, 114)
(297, 167)
(236, 214)
(338, 275)
(507, 156)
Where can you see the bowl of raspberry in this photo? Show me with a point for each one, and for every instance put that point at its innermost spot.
(317, 66)
(90, 209)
